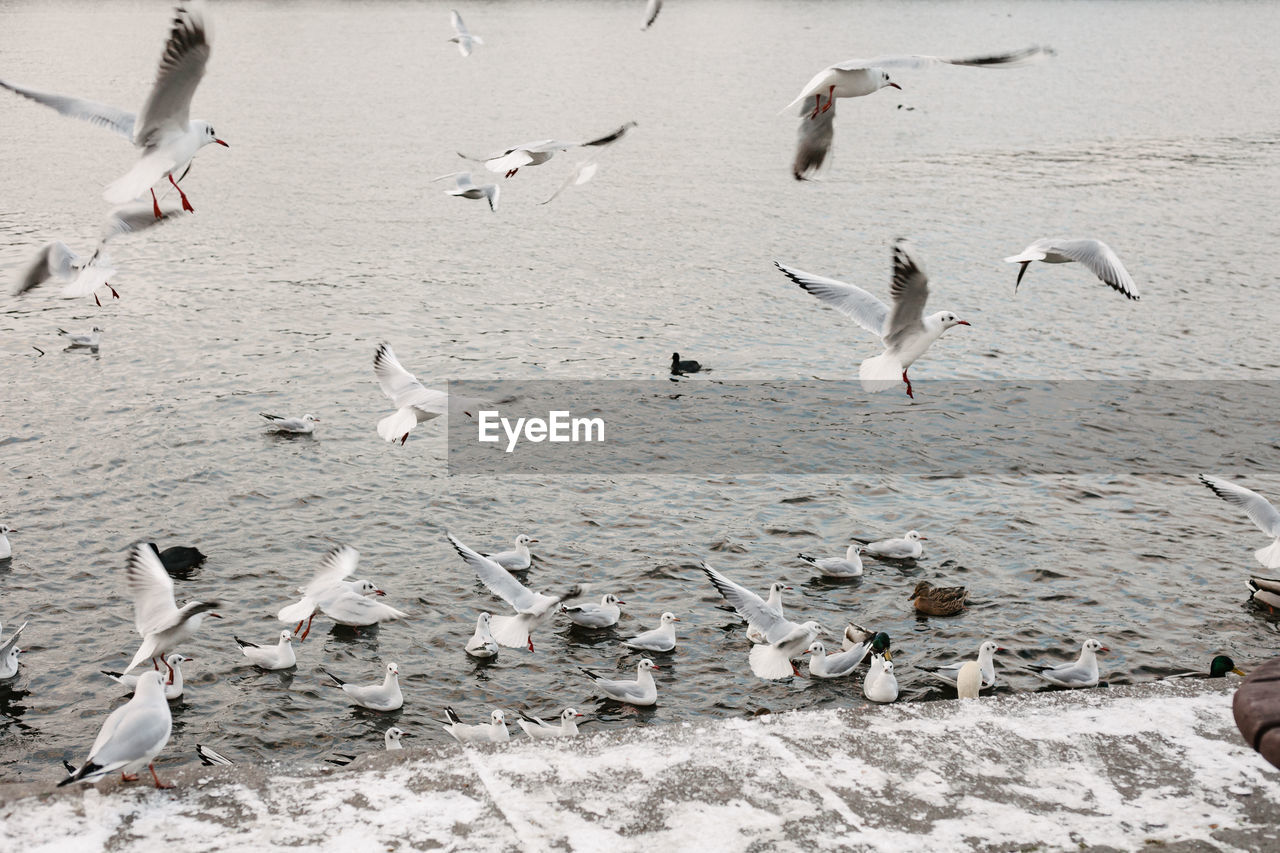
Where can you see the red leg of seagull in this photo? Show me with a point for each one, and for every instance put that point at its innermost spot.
(817, 104)
(186, 205)
(530, 642)
(795, 670)
(125, 777)
(908, 381)
(155, 205)
(159, 784)
(308, 631)
(511, 172)
(403, 439)
(830, 100)
(155, 664)
(114, 295)
(95, 299)
(170, 681)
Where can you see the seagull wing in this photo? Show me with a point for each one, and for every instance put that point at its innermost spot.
(401, 386)
(1101, 261)
(609, 138)
(910, 291)
(651, 10)
(100, 114)
(1255, 505)
(152, 591)
(182, 66)
(11, 642)
(1011, 59)
(498, 580)
(813, 142)
(852, 301)
(37, 272)
(458, 26)
(750, 606)
(337, 565)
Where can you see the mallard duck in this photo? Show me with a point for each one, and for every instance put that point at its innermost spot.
(1266, 591)
(938, 600)
(868, 641)
(1218, 668)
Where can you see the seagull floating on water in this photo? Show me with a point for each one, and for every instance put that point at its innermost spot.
(907, 547)
(132, 736)
(1259, 510)
(950, 673)
(838, 665)
(172, 688)
(482, 644)
(78, 340)
(304, 425)
(6, 550)
(465, 187)
(513, 159)
(9, 652)
(880, 684)
(494, 731)
(855, 78)
(1094, 254)
(602, 615)
(279, 656)
(161, 623)
(517, 559)
(660, 639)
(539, 729)
(461, 36)
(848, 566)
(1082, 672)
(376, 697)
(643, 691)
(906, 333)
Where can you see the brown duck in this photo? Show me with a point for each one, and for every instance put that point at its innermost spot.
(938, 600)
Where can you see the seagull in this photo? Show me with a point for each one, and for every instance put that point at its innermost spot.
(9, 654)
(642, 691)
(1083, 672)
(279, 656)
(858, 77)
(773, 602)
(755, 629)
(536, 153)
(131, 737)
(172, 689)
(304, 425)
(532, 608)
(907, 547)
(54, 260)
(494, 731)
(784, 640)
(581, 173)
(539, 729)
(161, 623)
(414, 403)
(1094, 254)
(866, 641)
(461, 36)
(345, 602)
(849, 566)
(1265, 591)
(391, 739)
(968, 680)
(212, 758)
(880, 684)
(823, 665)
(162, 130)
(97, 272)
(602, 615)
(905, 331)
(660, 639)
(465, 187)
(986, 666)
(482, 644)
(1258, 508)
(76, 339)
(6, 550)
(651, 10)
(376, 697)
(518, 559)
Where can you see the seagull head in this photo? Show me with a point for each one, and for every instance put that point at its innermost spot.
(498, 718)
(392, 669)
(311, 418)
(885, 81)
(569, 714)
(648, 664)
(816, 648)
(914, 536)
(286, 635)
(367, 588)
(523, 539)
(207, 133)
(1094, 646)
(668, 618)
(778, 587)
(946, 320)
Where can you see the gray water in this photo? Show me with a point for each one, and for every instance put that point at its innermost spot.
(319, 234)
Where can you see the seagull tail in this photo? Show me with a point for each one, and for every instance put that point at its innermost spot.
(296, 612)
(880, 373)
(810, 560)
(397, 424)
(336, 679)
(770, 662)
(89, 769)
(509, 631)
(1270, 555)
(244, 644)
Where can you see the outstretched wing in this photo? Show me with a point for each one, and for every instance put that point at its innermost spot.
(750, 606)
(168, 106)
(910, 291)
(1011, 59)
(1258, 508)
(152, 591)
(1101, 261)
(402, 387)
(337, 565)
(849, 299)
(91, 111)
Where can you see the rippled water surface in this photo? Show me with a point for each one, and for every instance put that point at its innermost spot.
(319, 234)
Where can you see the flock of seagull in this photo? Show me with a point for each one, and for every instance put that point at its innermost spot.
(168, 139)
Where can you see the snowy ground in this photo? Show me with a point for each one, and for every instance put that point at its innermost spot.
(1118, 768)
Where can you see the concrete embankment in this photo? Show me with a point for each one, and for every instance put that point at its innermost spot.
(1108, 768)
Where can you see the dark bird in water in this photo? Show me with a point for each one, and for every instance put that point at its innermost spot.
(179, 560)
(938, 600)
(679, 366)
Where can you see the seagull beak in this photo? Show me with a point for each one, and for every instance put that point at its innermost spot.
(620, 601)
(675, 618)
(215, 615)
(1104, 649)
(220, 142)
(378, 592)
(1001, 649)
(788, 588)
(655, 666)
(958, 323)
(896, 86)
(533, 540)
(926, 538)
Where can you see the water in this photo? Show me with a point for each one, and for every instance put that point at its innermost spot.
(318, 235)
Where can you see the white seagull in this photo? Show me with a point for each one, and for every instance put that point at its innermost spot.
(581, 173)
(414, 403)
(376, 697)
(161, 623)
(907, 547)
(279, 656)
(1094, 254)
(54, 260)
(162, 130)
(132, 736)
(76, 340)
(532, 608)
(968, 680)
(482, 644)
(848, 566)
(9, 654)
(126, 219)
(465, 187)
(880, 684)
(1082, 672)
(539, 729)
(643, 691)
(602, 615)
(905, 331)
(345, 602)
(6, 550)
(461, 36)
(1259, 510)
(784, 639)
(855, 78)
(660, 639)
(536, 153)
(172, 690)
(494, 731)
(391, 738)
(823, 665)
(517, 559)
(304, 425)
(986, 667)
(773, 602)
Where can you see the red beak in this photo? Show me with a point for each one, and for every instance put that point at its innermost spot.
(216, 615)
(962, 322)
(1104, 649)
(896, 86)
(655, 666)
(378, 592)
(220, 142)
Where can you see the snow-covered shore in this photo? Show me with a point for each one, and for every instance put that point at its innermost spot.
(1121, 767)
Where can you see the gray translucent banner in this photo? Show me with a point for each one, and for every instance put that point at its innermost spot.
(951, 428)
